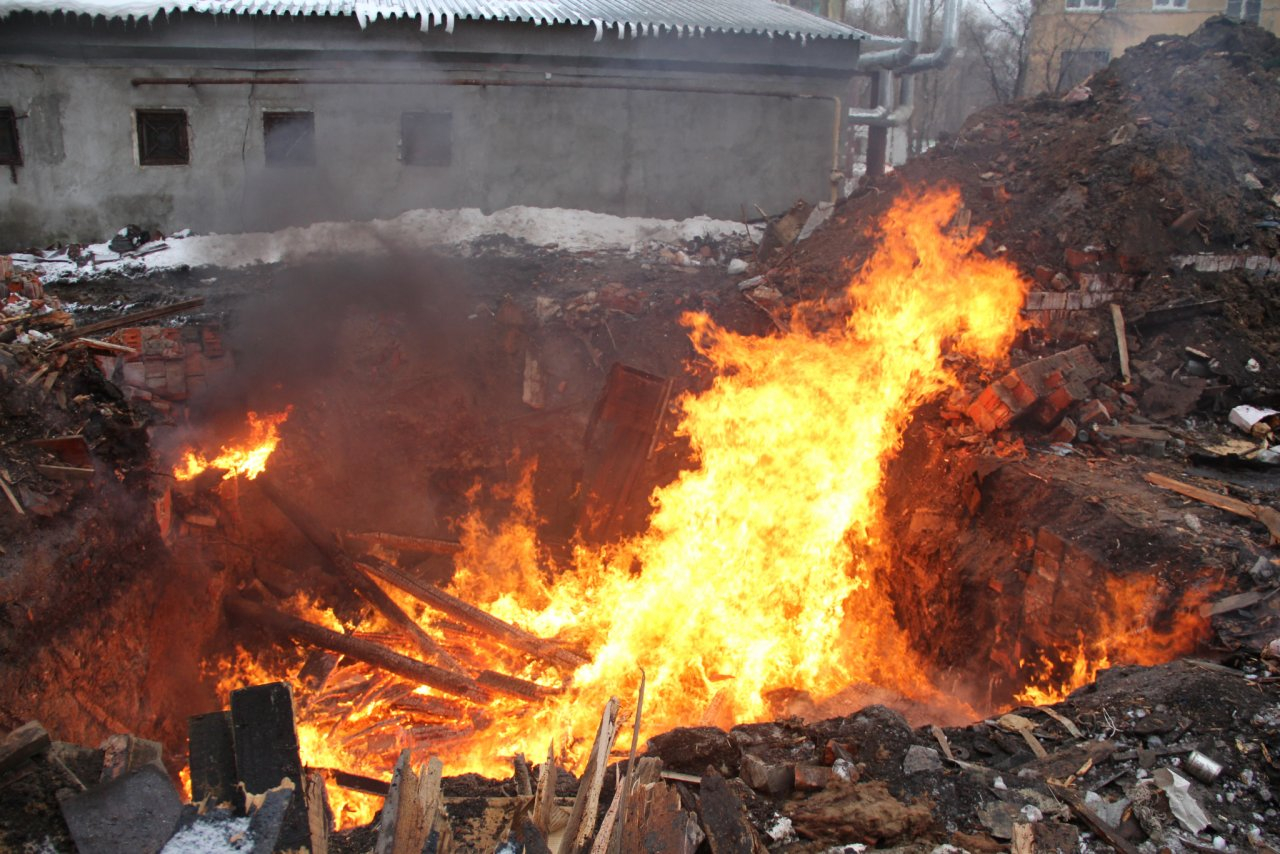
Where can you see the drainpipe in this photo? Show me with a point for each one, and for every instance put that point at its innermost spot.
(905, 49)
(886, 110)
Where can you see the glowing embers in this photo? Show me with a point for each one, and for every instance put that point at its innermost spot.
(247, 458)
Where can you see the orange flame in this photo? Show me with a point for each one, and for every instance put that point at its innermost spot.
(248, 459)
(763, 569)
(1132, 631)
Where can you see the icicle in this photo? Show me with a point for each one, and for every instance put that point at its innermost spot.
(448, 23)
(599, 25)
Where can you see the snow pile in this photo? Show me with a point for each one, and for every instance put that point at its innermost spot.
(550, 228)
(217, 835)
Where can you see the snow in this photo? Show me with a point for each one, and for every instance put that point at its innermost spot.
(217, 836)
(558, 228)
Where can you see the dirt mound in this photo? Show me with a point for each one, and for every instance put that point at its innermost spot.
(1154, 184)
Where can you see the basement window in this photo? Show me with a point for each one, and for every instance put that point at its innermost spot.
(1169, 5)
(162, 138)
(289, 139)
(1245, 10)
(10, 150)
(426, 139)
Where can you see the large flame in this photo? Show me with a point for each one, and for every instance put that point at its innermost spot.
(247, 458)
(763, 569)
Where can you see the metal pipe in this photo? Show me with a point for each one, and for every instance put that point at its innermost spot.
(906, 50)
(946, 48)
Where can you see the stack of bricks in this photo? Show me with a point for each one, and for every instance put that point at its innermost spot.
(168, 363)
(1044, 388)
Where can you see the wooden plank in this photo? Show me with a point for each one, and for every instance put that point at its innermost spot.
(412, 810)
(619, 437)
(264, 737)
(724, 819)
(1108, 833)
(655, 823)
(134, 318)
(506, 634)
(266, 746)
(404, 543)
(544, 799)
(30, 739)
(629, 781)
(319, 817)
(582, 818)
(1122, 342)
(513, 686)
(417, 672)
(212, 761)
(1261, 513)
(365, 587)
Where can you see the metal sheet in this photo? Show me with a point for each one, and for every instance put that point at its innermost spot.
(621, 18)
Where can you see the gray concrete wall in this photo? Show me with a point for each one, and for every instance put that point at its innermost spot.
(650, 153)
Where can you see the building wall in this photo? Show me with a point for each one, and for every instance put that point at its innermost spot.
(1059, 31)
(614, 150)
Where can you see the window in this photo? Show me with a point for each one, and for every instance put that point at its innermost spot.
(289, 139)
(162, 138)
(1077, 65)
(426, 139)
(1090, 5)
(1169, 5)
(1245, 10)
(10, 150)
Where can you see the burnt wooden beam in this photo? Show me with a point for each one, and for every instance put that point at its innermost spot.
(393, 662)
(362, 584)
(211, 757)
(471, 616)
(134, 318)
(268, 761)
(28, 740)
(404, 543)
(264, 736)
(513, 686)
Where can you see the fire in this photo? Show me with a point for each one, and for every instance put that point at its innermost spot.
(249, 458)
(763, 569)
(1137, 627)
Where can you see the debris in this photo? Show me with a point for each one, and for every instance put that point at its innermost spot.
(1054, 381)
(1183, 804)
(416, 671)
(414, 816)
(132, 814)
(1122, 342)
(1254, 420)
(21, 744)
(1266, 515)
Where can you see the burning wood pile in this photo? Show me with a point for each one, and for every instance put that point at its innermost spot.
(848, 531)
(1174, 754)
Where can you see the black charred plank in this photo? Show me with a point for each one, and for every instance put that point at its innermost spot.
(212, 757)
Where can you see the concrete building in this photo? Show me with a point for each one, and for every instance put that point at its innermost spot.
(231, 115)
(1071, 39)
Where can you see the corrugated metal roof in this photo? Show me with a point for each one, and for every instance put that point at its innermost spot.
(625, 18)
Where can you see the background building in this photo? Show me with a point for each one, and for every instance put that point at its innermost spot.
(229, 116)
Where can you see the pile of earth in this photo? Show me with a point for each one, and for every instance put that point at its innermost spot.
(1171, 151)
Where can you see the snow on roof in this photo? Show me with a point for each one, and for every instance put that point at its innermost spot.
(628, 17)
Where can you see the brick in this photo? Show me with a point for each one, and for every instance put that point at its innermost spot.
(1064, 432)
(1077, 259)
(1093, 412)
(811, 778)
